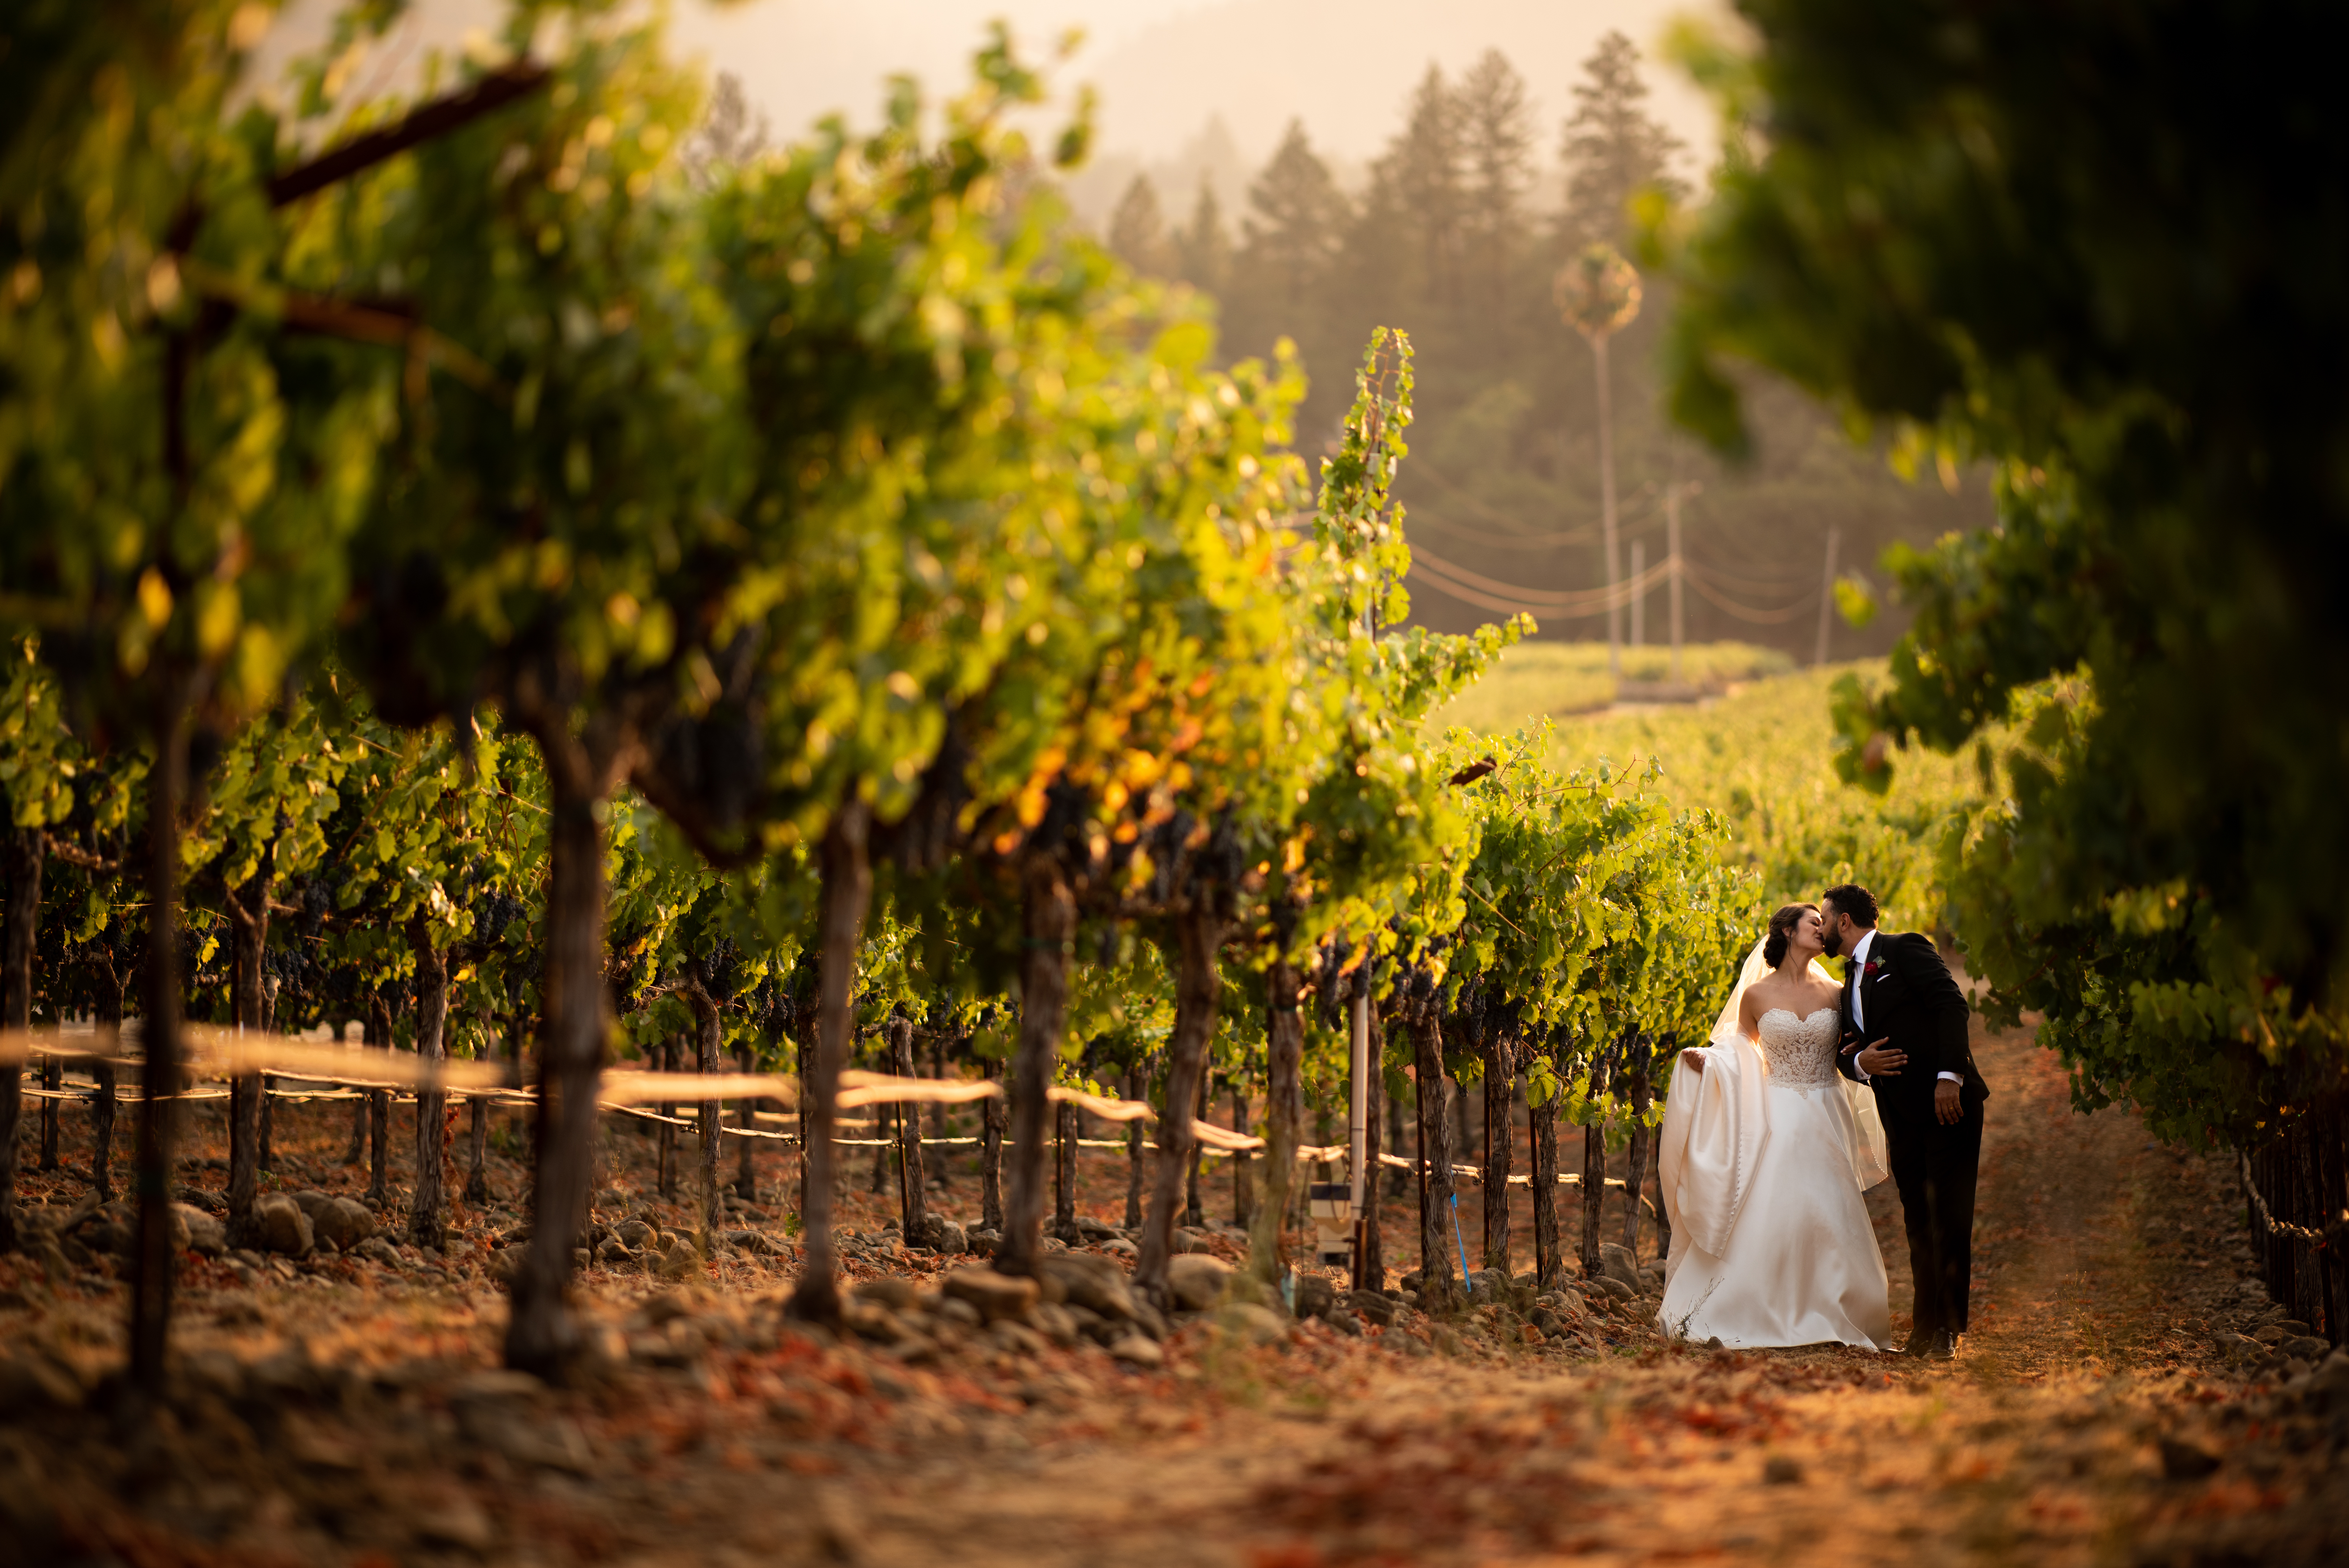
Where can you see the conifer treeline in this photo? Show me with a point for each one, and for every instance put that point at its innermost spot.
(1456, 233)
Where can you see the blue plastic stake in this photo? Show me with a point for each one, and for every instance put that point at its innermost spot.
(1456, 1239)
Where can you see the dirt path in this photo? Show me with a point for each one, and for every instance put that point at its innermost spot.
(2105, 1260)
(341, 1414)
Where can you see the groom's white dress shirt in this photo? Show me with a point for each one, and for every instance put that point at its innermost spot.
(1857, 964)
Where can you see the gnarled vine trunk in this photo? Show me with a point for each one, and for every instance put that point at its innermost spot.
(844, 861)
(427, 1217)
(1500, 1096)
(151, 1262)
(1199, 936)
(1284, 1114)
(541, 1335)
(1436, 1290)
(1049, 920)
(17, 941)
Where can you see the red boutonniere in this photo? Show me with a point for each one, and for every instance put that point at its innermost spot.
(1870, 967)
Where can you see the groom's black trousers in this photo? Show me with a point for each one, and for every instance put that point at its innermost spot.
(1935, 1167)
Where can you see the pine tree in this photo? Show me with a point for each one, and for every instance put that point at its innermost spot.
(1613, 149)
(1137, 231)
(1423, 170)
(1495, 131)
(1203, 251)
(730, 132)
(1296, 224)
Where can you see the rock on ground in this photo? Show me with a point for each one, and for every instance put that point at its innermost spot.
(283, 1227)
(1198, 1280)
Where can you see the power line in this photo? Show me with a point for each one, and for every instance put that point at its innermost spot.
(1584, 604)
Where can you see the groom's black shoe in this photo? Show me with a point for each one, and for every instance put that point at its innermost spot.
(1940, 1345)
(1919, 1343)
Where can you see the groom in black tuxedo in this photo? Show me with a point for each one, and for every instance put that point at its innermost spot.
(1904, 1035)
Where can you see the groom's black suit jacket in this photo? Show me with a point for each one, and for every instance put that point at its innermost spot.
(1910, 1002)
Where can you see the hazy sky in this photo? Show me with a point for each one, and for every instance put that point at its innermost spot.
(1164, 67)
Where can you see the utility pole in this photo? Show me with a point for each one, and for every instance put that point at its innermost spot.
(1827, 595)
(1675, 494)
(1597, 293)
(1606, 505)
(1638, 595)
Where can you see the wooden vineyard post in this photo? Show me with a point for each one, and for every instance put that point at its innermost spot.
(376, 1031)
(29, 854)
(1663, 1218)
(1370, 1257)
(746, 1168)
(2301, 1191)
(709, 1116)
(994, 1115)
(426, 1206)
(913, 1196)
(1243, 1162)
(21, 928)
(356, 1152)
(1594, 1167)
(1500, 1084)
(108, 998)
(1544, 1139)
(803, 1054)
(941, 1114)
(885, 1144)
(1065, 1132)
(1194, 1212)
(2332, 1211)
(477, 1143)
(1635, 1163)
(1136, 1086)
(665, 1131)
(152, 1264)
(1361, 1190)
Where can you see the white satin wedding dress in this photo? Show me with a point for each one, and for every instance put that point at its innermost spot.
(1763, 1159)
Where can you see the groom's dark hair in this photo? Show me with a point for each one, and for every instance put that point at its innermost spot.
(1851, 899)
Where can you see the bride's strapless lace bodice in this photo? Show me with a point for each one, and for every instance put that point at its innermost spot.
(1801, 1051)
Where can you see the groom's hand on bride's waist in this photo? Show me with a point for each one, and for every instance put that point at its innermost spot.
(1879, 1060)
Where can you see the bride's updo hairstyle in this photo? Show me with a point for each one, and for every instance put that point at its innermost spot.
(1782, 931)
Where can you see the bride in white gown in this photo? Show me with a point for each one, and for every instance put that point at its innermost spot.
(1765, 1153)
